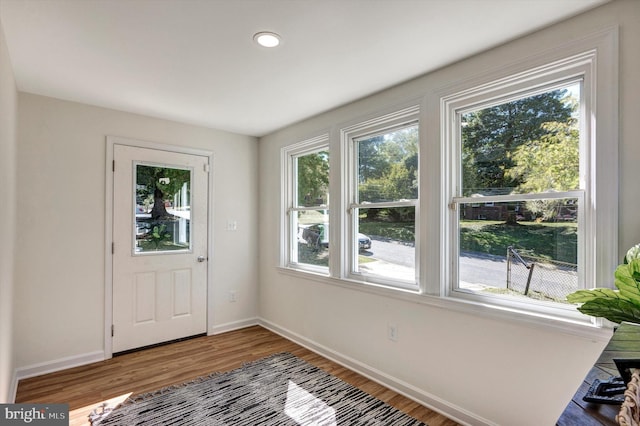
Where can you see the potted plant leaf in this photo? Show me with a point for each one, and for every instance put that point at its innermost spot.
(618, 305)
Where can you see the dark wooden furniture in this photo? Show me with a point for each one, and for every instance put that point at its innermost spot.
(625, 343)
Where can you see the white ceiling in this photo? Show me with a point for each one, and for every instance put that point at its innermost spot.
(194, 61)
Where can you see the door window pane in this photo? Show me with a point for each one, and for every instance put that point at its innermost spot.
(162, 209)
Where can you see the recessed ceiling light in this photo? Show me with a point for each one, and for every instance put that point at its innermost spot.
(267, 39)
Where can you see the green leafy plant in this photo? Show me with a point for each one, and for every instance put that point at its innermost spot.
(618, 305)
(159, 234)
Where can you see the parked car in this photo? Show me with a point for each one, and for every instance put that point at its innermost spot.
(317, 235)
(364, 242)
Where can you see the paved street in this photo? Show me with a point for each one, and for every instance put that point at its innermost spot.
(396, 258)
(477, 270)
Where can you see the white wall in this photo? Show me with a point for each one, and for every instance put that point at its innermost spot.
(59, 295)
(8, 141)
(483, 369)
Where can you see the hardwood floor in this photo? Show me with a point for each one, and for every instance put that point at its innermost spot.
(86, 387)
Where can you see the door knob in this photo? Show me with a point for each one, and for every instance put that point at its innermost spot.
(201, 258)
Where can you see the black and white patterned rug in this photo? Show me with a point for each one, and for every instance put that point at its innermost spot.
(279, 390)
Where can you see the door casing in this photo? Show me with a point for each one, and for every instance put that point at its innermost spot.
(109, 237)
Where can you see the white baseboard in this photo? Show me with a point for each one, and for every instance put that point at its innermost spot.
(13, 388)
(57, 365)
(235, 325)
(431, 401)
(77, 360)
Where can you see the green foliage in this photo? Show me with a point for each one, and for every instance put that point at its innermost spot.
(396, 231)
(313, 178)
(492, 136)
(582, 296)
(488, 237)
(398, 183)
(313, 255)
(372, 160)
(530, 238)
(158, 235)
(388, 166)
(168, 180)
(550, 162)
(613, 309)
(618, 305)
(484, 241)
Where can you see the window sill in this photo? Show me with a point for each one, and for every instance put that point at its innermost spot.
(525, 318)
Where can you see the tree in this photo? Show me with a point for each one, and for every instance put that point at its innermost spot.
(387, 171)
(491, 136)
(550, 163)
(388, 166)
(313, 178)
(157, 183)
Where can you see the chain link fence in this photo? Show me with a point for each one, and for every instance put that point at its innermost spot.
(540, 278)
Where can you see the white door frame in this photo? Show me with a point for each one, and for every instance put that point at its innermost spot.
(108, 240)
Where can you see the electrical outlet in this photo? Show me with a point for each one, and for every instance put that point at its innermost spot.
(392, 332)
(233, 296)
(232, 225)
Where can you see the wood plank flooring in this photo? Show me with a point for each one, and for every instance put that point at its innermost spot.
(86, 387)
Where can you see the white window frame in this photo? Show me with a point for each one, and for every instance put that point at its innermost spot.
(597, 253)
(289, 246)
(349, 136)
(433, 227)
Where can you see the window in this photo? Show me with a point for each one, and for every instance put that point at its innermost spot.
(162, 209)
(382, 162)
(496, 195)
(378, 191)
(521, 157)
(521, 187)
(307, 205)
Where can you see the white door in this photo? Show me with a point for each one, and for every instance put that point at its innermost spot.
(160, 210)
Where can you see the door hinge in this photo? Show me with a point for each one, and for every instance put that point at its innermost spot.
(113, 165)
(113, 248)
(112, 328)
(206, 167)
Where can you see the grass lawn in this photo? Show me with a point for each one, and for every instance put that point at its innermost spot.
(557, 241)
(397, 231)
(310, 256)
(549, 240)
(147, 246)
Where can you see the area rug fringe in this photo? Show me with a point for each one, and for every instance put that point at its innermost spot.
(251, 398)
(103, 410)
(148, 395)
